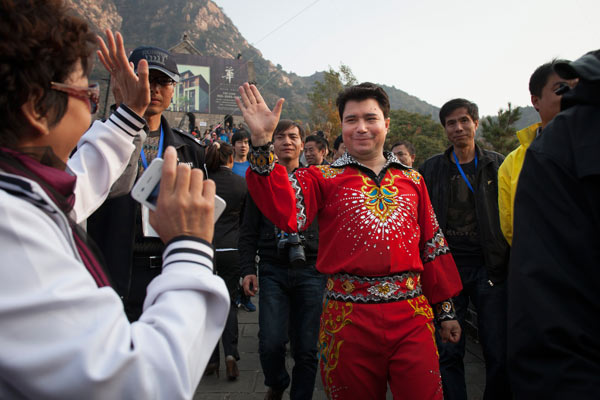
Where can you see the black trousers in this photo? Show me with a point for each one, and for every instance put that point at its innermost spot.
(145, 268)
(228, 267)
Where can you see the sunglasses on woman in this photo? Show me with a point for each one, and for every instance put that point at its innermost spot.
(90, 94)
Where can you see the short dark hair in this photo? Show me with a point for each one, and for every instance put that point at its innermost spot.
(40, 42)
(338, 140)
(540, 76)
(409, 146)
(285, 124)
(360, 92)
(455, 104)
(319, 141)
(239, 135)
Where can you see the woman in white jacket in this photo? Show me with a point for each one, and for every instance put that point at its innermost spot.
(63, 331)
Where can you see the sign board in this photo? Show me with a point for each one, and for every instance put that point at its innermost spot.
(207, 84)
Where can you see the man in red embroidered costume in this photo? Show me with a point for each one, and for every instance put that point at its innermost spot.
(385, 257)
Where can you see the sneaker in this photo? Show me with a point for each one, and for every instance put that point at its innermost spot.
(248, 306)
(238, 302)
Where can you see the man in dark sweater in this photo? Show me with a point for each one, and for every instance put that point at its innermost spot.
(291, 289)
(121, 227)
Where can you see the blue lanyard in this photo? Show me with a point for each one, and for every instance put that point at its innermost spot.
(160, 149)
(462, 173)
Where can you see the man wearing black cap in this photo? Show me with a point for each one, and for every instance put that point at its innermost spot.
(554, 280)
(121, 227)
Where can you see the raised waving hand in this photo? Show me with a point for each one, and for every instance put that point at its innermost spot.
(260, 119)
(134, 89)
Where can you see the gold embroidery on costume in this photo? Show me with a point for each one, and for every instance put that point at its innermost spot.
(333, 320)
(381, 201)
(383, 290)
(348, 287)
(328, 172)
(412, 174)
(410, 283)
(330, 284)
(422, 307)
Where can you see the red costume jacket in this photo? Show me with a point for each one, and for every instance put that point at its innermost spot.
(368, 225)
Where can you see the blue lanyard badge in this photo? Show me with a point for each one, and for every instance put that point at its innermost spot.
(160, 148)
(462, 173)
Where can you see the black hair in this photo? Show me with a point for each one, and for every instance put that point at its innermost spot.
(285, 124)
(409, 146)
(338, 140)
(360, 92)
(540, 76)
(239, 135)
(319, 141)
(455, 104)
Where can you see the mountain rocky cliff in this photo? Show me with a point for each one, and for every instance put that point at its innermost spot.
(163, 23)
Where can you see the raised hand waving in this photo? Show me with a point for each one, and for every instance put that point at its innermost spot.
(260, 119)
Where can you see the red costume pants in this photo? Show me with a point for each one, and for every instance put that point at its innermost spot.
(365, 346)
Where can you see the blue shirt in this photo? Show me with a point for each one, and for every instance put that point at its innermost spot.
(239, 168)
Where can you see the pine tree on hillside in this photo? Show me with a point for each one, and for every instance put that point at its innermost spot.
(499, 133)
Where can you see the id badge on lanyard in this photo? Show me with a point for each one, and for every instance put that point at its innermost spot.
(462, 173)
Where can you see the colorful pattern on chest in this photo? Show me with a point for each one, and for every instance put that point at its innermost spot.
(381, 200)
(329, 172)
(373, 216)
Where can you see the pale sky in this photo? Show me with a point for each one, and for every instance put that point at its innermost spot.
(437, 50)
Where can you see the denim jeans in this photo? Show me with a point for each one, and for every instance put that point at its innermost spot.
(290, 305)
(491, 305)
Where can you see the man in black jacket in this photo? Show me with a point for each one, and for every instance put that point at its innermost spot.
(463, 187)
(121, 227)
(291, 294)
(554, 280)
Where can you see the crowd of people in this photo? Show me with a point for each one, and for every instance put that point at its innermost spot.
(366, 264)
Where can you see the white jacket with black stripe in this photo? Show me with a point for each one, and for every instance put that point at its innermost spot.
(61, 336)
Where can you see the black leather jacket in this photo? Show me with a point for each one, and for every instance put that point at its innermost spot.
(436, 172)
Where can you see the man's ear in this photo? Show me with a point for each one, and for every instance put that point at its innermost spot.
(38, 122)
(387, 123)
(534, 102)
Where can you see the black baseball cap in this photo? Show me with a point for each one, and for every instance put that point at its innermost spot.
(586, 67)
(158, 59)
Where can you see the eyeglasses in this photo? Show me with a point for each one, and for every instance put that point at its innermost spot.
(161, 81)
(90, 94)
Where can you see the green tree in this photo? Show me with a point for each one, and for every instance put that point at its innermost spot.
(424, 133)
(323, 111)
(499, 133)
